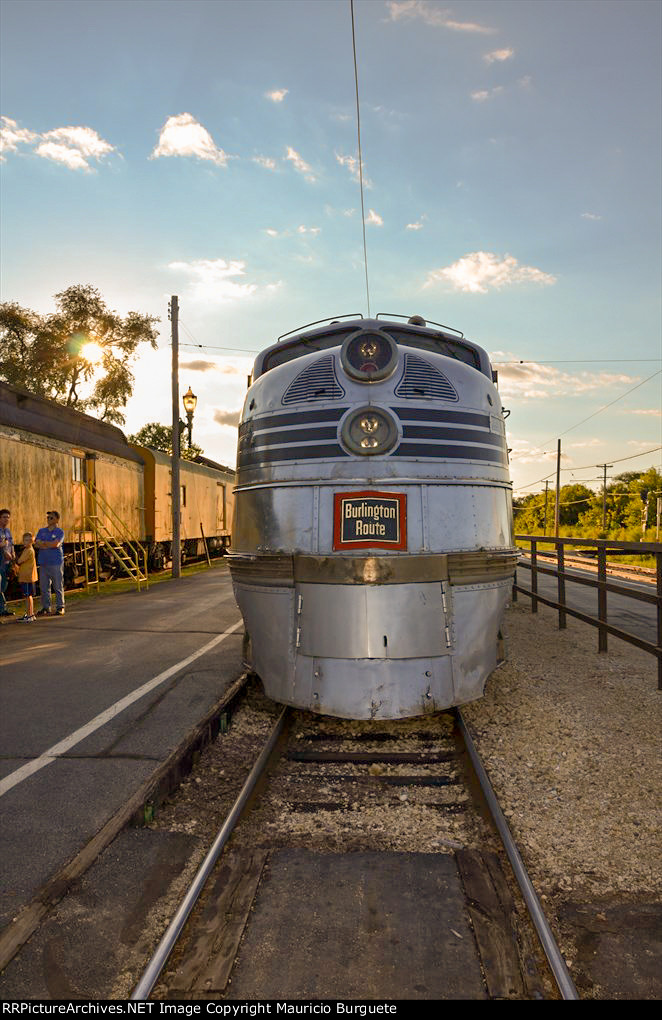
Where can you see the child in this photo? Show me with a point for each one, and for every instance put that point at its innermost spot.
(27, 575)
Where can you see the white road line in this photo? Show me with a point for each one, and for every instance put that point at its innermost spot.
(54, 752)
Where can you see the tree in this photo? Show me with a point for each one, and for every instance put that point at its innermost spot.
(530, 510)
(159, 437)
(82, 344)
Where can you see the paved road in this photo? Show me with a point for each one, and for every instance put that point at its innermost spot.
(62, 688)
(631, 615)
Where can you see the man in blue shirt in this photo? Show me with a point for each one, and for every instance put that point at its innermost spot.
(51, 564)
(7, 558)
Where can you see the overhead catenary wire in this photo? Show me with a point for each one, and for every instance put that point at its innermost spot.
(358, 132)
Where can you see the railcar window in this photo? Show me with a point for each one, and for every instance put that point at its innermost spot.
(77, 469)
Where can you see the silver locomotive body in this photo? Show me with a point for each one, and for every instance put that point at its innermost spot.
(372, 542)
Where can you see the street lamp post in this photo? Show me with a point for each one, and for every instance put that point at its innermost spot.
(189, 400)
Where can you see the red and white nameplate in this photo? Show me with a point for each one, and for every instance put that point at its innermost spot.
(369, 520)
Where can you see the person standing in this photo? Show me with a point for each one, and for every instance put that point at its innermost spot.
(7, 559)
(51, 564)
(27, 575)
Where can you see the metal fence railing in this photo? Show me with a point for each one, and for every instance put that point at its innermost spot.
(603, 547)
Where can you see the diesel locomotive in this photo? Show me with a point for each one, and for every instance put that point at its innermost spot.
(373, 547)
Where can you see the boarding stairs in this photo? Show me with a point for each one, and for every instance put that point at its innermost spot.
(111, 533)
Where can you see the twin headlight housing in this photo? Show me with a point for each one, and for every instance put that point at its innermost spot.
(368, 356)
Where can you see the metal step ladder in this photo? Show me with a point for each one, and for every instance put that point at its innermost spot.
(110, 532)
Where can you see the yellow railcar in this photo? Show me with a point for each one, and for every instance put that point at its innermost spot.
(50, 455)
(55, 458)
(206, 504)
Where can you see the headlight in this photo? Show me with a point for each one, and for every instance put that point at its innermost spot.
(369, 355)
(369, 431)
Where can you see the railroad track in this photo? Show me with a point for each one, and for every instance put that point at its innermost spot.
(327, 795)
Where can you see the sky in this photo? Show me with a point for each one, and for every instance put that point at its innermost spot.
(512, 173)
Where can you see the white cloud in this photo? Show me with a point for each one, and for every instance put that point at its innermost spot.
(212, 281)
(432, 15)
(484, 94)
(522, 452)
(299, 163)
(352, 164)
(498, 55)
(586, 444)
(308, 230)
(414, 226)
(11, 136)
(229, 418)
(62, 154)
(590, 216)
(83, 139)
(653, 412)
(277, 95)
(479, 271)
(374, 219)
(184, 136)
(271, 232)
(72, 146)
(534, 381)
(266, 161)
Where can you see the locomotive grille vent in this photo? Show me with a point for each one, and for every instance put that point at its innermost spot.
(317, 382)
(420, 379)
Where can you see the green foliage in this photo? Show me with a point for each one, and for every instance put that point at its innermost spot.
(530, 514)
(629, 509)
(159, 437)
(42, 353)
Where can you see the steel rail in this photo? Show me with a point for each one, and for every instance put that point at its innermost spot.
(166, 945)
(547, 940)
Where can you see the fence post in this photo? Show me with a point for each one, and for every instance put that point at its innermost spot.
(602, 596)
(560, 574)
(534, 576)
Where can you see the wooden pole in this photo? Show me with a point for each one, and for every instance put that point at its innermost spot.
(174, 485)
(557, 508)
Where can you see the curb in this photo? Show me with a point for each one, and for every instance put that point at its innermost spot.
(138, 810)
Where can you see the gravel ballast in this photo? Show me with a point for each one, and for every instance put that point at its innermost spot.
(571, 740)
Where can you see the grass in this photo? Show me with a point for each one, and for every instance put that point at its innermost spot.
(122, 585)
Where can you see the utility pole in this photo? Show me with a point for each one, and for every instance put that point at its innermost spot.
(544, 526)
(604, 493)
(557, 508)
(174, 484)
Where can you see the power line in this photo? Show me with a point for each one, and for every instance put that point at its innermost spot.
(358, 131)
(585, 467)
(599, 411)
(209, 347)
(580, 361)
